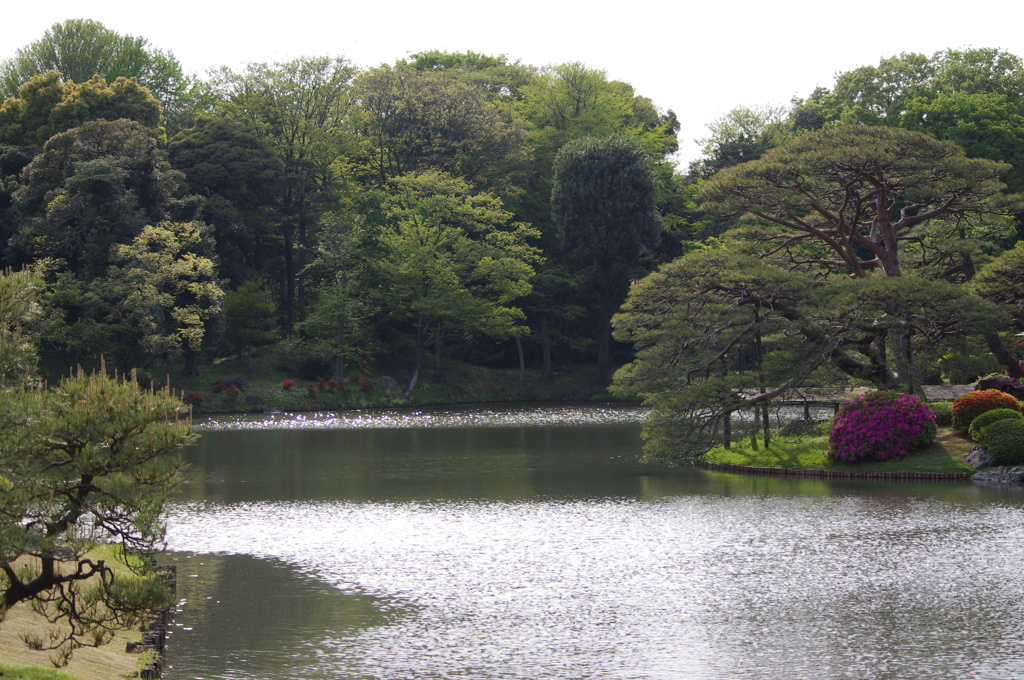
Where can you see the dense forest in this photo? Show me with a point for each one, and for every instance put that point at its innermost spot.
(472, 206)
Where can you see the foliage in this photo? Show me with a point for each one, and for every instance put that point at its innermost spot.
(603, 203)
(250, 317)
(88, 461)
(978, 425)
(453, 261)
(969, 406)
(943, 411)
(1004, 439)
(46, 105)
(854, 198)
(1002, 281)
(879, 426)
(708, 331)
(94, 186)
(81, 48)
(164, 290)
(402, 132)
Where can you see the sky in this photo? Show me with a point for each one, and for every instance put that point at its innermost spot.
(698, 59)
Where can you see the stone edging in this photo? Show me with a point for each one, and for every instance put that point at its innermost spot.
(837, 474)
(155, 638)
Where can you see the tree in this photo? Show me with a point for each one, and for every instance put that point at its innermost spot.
(250, 317)
(854, 199)
(87, 462)
(47, 105)
(603, 204)
(301, 110)
(239, 177)
(163, 291)
(741, 135)
(92, 187)
(708, 330)
(1002, 281)
(413, 120)
(80, 49)
(452, 262)
(717, 332)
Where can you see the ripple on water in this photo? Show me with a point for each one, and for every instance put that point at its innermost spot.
(692, 587)
(427, 418)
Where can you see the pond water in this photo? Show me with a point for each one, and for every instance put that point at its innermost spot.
(530, 544)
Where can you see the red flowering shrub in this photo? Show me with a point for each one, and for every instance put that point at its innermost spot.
(193, 399)
(231, 392)
(333, 384)
(311, 390)
(969, 406)
(287, 384)
(879, 426)
(364, 383)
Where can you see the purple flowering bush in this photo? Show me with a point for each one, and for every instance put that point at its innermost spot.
(880, 426)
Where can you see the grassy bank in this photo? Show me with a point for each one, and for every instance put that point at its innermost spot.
(108, 662)
(808, 452)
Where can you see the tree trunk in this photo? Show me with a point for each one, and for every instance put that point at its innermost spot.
(339, 359)
(604, 345)
(545, 347)
(421, 339)
(191, 362)
(522, 359)
(998, 349)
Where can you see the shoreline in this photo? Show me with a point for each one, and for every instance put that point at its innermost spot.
(835, 474)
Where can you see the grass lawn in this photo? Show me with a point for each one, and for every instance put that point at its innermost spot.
(808, 453)
(18, 662)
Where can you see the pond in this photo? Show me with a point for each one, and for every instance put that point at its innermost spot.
(529, 543)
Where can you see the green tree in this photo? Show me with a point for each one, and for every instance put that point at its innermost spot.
(603, 203)
(80, 49)
(250, 317)
(453, 261)
(340, 319)
(239, 177)
(413, 120)
(301, 110)
(95, 186)
(163, 291)
(1002, 281)
(859, 199)
(741, 135)
(90, 461)
(46, 105)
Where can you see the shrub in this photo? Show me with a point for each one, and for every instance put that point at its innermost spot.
(969, 406)
(879, 426)
(989, 417)
(193, 399)
(1004, 439)
(287, 384)
(943, 411)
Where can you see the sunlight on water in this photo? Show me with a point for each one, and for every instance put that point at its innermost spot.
(700, 587)
(427, 418)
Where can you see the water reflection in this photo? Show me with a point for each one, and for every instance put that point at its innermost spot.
(547, 552)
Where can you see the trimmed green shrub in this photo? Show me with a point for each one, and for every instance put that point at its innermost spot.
(989, 417)
(1004, 439)
(943, 411)
(969, 406)
(879, 426)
